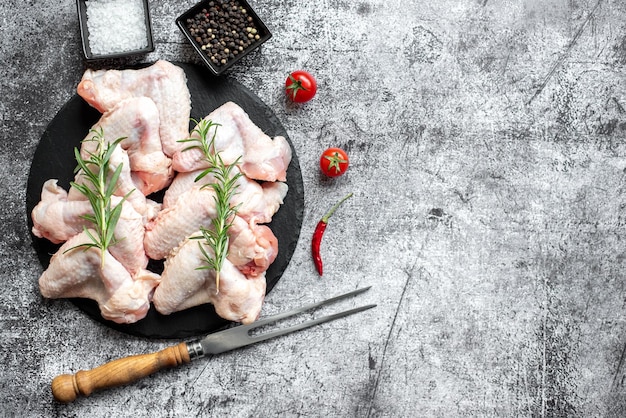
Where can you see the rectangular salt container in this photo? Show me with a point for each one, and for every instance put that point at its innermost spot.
(114, 28)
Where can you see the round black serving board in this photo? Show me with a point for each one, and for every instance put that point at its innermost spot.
(54, 159)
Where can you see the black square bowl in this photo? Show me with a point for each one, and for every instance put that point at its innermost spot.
(222, 32)
(84, 33)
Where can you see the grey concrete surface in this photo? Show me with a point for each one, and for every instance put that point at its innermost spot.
(488, 166)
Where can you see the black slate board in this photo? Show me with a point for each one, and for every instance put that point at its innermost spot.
(54, 159)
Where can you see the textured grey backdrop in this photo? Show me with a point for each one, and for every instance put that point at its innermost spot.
(488, 166)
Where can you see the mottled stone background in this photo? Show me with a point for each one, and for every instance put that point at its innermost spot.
(488, 166)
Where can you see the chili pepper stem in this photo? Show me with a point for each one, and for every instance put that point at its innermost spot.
(334, 208)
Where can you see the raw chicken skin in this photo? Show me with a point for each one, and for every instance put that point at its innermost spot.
(263, 209)
(257, 202)
(55, 218)
(79, 273)
(136, 120)
(251, 246)
(262, 158)
(163, 82)
(183, 286)
(183, 182)
(59, 219)
(129, 232)
(173, 224)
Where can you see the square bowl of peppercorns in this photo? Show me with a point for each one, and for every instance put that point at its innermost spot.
(222, 32)
(114, 28)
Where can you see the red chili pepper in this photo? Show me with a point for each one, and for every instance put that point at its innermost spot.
(319, 233)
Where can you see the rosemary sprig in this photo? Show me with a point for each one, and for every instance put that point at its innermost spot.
(225, 187)
(99, 188)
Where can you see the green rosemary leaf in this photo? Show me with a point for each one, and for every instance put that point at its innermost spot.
(83, 246)
(93, 200)
(110, 148)
(114, 216)
(81, 164)
(89, 218)
(78, 186)
(203, 175)
(210, 260)
(113, 181)
(95, 243)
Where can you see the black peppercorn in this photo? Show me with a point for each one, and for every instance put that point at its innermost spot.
(223, 30)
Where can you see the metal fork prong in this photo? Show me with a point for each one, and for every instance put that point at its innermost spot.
(296, 311)
(240, 336)
(306, 324)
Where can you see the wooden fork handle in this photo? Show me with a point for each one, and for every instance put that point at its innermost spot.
(66, 388)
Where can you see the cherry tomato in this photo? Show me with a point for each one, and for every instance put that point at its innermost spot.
(334, 162)
(300, 86)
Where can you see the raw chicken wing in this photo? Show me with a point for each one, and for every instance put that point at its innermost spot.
(79, 273)
(252, 247)
(257, 202)
(262, 158)
(183, 286)
(55, 218)
(59, 219)
(163, 82)
(137, 121)
(173, 224)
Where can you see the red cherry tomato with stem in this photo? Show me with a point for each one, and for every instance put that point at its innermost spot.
(300, 86)
(334, 162)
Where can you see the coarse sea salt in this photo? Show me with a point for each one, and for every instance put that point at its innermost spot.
(116, 26)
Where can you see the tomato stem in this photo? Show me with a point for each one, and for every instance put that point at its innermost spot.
(334, 161)
(295, 86)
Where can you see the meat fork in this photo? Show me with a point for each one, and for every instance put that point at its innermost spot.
(66, 388)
